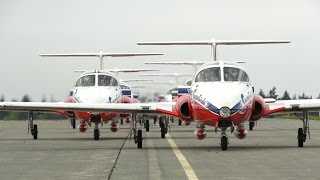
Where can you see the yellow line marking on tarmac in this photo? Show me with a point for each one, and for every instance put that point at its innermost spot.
(183, 161)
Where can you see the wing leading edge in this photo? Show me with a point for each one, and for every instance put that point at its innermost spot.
(143, 108)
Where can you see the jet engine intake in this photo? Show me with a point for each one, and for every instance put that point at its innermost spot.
(184, 108)
(258, 108)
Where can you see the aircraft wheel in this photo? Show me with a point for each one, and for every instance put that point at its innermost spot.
(147, 124)
(180, 122)
(163, 130)
(121, 121)
(73, 123)
(224, 143)
(139, 139)
(96, 134)
(300, 137)
(34, 131)
(154, 119)
(251, 125)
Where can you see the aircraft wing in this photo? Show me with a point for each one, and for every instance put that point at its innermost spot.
(293, 106)
(143, 108)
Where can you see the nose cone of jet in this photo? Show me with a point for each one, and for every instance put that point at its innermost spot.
(94, 95)
(222, 95)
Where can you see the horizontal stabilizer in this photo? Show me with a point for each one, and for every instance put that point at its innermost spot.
(100, 54)
(131, 70)
(178, 63)
(216, 42)
(174, 74)
(136, 80)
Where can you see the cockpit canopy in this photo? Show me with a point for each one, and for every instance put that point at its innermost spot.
(96, 80)
(122, 86)
(214, 74)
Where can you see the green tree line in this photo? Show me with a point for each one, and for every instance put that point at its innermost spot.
(16, 115)
(286, 96)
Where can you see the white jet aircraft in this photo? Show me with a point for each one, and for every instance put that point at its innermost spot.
(221, 95)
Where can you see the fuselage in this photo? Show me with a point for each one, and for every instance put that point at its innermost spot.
(97, 87)
(221, 91)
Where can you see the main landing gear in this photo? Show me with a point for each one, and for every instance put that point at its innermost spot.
(32, 127)
(73, 123)
(164, 124)
(146, 123)
(137, 134)
(305, 130)
(251, 125)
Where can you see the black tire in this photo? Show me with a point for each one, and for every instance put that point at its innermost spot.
(224, 143)
(121, 121)
(300, 137)
(139, 139)
(163, 131)
(147, 124)
(73, 123)
(35, 131)
(154, 119)
(96, 134)
(251, 125)
(180, 122)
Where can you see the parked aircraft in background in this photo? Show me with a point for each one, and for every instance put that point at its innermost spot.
(94, 86)
(221, 96)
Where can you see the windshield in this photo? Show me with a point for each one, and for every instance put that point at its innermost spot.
(88, 80)
(235, 74)
(124, 87)
(105, 80)
(209, 75)
(188, 83)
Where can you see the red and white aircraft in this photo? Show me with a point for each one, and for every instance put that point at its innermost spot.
(94, 86)
(221, 95)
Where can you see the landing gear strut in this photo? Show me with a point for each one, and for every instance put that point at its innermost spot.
(305, 130)
(224, 139)
(164, 122)
(73, 123)
(96, 132)
(224, 124)
(137, 134)
(154, 119)
(33, 127)
(147, 125)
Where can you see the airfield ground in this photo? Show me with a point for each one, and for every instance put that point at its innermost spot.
(269, 152)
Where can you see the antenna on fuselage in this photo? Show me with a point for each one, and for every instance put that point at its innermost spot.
(100, 55)
(214, 43)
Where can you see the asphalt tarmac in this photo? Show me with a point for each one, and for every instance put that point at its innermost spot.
(270, 151)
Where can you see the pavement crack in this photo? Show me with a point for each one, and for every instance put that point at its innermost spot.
(115, 162)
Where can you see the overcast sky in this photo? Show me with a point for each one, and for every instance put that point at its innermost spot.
(30, 27)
